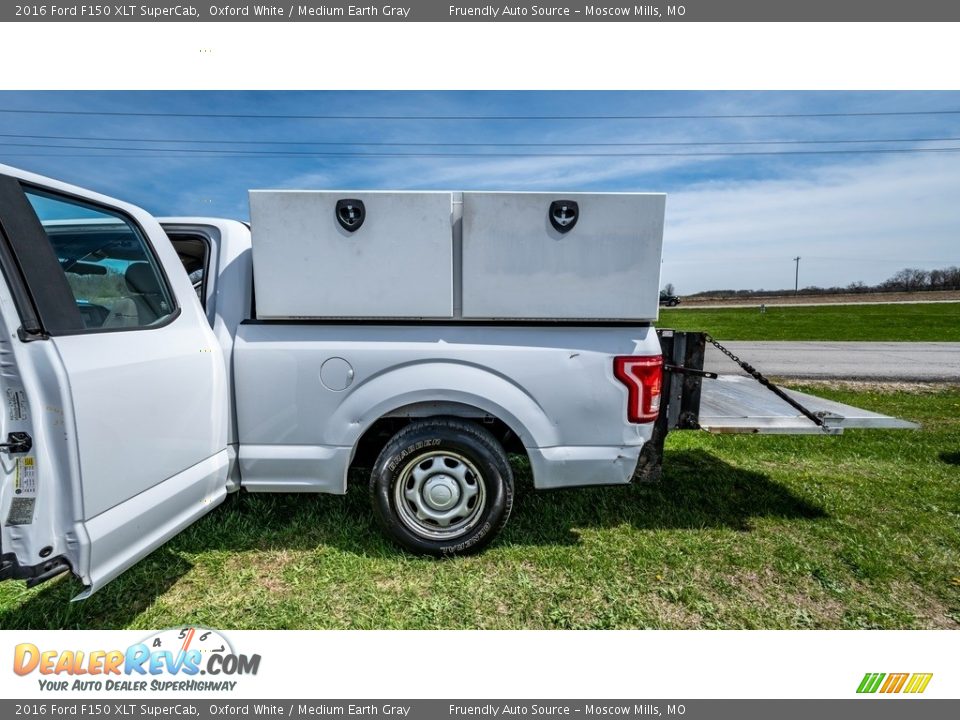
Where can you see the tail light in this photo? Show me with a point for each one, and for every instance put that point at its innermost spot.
(643, 377)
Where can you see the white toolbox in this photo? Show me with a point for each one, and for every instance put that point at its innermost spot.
(320, 254)
(562, 256)
(471, 255)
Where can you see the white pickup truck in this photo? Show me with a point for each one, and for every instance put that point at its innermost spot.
(146, 375)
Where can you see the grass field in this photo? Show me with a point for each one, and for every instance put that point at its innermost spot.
(932, 322)
(857, 531)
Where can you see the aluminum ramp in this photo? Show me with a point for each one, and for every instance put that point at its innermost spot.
(735, 404)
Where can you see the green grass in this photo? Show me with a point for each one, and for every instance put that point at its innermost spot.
(857, 531)
(932, 322)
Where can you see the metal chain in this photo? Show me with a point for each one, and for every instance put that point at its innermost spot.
(763, 380)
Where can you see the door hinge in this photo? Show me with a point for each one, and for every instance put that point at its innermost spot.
(17, 442)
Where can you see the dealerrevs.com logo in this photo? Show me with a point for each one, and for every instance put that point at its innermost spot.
(178, 659)
(890, 683)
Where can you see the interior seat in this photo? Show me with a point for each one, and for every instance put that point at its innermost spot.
(146, 292)
(145, 303)
(123, 314)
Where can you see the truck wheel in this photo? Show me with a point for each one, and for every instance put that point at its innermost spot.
(441, 487)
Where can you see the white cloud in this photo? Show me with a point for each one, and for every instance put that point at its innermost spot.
(847, 222)
(498, 173)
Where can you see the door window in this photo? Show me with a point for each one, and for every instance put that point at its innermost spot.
(114, 278)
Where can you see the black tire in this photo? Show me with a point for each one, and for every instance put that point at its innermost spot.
(442, 458)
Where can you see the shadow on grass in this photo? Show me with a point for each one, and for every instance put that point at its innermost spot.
(698, 491)
(950, 458)
(116, 606)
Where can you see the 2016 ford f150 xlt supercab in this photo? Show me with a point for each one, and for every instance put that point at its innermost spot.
(150, 367)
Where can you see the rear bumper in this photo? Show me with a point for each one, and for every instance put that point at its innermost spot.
(577, 466)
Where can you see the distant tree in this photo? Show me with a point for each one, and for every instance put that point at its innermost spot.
(938, 279)
(919, 280)
(950, 278)
(906, 280)
(909, 279)
(668, 289)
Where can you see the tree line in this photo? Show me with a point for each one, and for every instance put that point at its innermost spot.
(906, 280)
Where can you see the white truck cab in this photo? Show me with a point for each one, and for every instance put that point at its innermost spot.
(151, 367)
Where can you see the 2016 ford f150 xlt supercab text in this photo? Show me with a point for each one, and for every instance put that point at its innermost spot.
(150, 367)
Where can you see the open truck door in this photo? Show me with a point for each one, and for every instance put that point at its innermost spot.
(113, 431)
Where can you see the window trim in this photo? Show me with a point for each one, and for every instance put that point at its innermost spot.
(151, 253)
(30, 326)
(33, 257)
(200, 235)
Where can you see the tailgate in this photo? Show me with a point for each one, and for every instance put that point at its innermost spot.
(736, 404)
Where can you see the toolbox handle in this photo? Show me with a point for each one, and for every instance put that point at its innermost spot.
(563, 215)
(350, 214)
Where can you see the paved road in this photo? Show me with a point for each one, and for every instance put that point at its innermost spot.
(845, 360)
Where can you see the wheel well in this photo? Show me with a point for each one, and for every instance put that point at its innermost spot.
(379, 433)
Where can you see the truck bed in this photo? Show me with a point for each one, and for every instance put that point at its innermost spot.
(306, 392)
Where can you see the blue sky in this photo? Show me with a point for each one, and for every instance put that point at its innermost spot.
(732, 222)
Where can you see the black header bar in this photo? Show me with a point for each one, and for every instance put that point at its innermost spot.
(522, 11)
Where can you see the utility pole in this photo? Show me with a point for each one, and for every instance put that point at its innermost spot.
(796, 279)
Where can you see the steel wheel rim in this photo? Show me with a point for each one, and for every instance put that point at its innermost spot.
(439, 495)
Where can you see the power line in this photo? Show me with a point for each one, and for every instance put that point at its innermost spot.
(385, 143)
(724, 116)
(184, 153)
(213, 152)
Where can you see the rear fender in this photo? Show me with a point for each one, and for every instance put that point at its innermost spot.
(444, 382)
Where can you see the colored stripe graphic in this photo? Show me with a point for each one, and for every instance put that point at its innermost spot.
(894, 683)
(870, 682)
(918, 682)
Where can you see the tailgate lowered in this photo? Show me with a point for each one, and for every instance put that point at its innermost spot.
(695, 400)
(736, 404)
